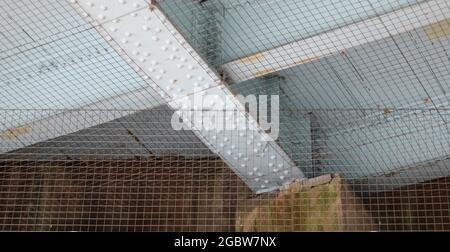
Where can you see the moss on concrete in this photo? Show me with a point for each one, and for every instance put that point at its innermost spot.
(303, 206)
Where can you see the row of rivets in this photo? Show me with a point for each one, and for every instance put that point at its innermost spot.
(177, 91)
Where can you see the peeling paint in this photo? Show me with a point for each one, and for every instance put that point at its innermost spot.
(296, 63)
(387, 111)
(307, 60)
(252, 59)
(438, 31)
(264, 72)
(15, 132)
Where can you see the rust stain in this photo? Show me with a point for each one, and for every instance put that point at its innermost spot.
(252, 59)
(152, 5)
(307, 60)
(12, 133)
(264, 72)
(387, 111)
(438, 31)
(426, 100)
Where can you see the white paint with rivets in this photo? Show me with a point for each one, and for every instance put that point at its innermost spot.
(151, 45)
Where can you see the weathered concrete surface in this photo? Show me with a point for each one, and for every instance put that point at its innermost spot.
(321, 204)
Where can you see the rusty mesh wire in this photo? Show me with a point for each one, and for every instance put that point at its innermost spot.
(87, 144)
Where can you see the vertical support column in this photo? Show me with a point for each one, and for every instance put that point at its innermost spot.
(317, 146)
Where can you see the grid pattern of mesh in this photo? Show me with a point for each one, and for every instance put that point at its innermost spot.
(367, 125)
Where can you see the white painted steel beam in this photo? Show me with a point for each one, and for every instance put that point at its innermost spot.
(144, 37)
(433, 16)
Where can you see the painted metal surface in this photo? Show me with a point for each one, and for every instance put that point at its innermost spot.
(57, 74)
(295, 126)
(56, 105)
(43, 125)
(150, 43)
(253, 26)
(312, 48)
(143, 133)
(377, 108)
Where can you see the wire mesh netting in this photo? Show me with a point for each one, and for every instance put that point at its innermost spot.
(357, 90)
